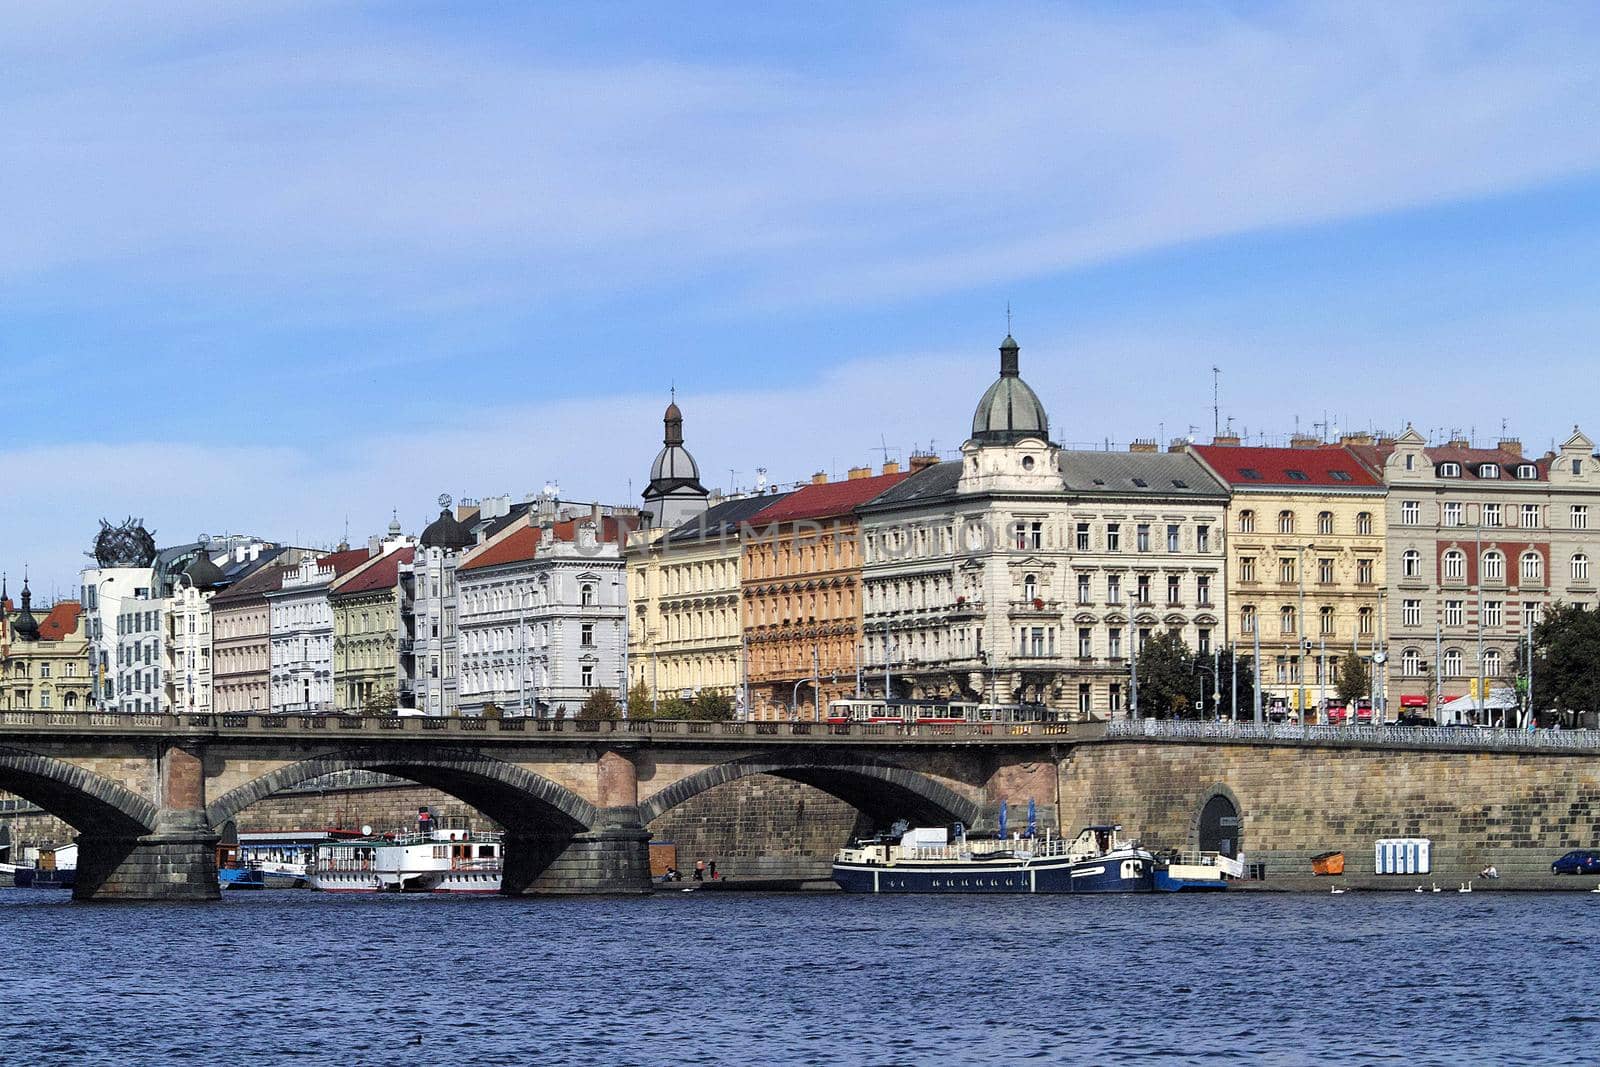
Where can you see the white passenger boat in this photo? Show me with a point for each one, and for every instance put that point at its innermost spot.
(424, 861)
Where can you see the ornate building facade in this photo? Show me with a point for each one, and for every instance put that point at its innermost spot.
(800, 582)
(44, 663)
(1479, 541)
(1305, 534)
(367, 605)
(1025, 571)
(300, 628)
(687, 629)
(542, 611)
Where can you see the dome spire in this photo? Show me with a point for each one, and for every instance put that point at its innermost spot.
(672, 422)
(1009, 411)
(26, 627)
(1008, 358)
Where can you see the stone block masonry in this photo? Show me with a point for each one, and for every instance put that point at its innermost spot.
(761, 827)
(1515, 811)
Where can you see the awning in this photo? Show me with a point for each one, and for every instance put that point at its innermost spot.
(1413, 700)
(1497, 700)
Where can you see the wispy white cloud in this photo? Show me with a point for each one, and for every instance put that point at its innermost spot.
(312, 158)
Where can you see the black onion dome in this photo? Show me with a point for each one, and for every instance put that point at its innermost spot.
(446, 532)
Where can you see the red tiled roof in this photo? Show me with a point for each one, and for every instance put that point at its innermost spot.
(522, 542)
(256, 585)
(826, 501)
(381, 573)
(344, 562)
(62, 620)
(1242, 467)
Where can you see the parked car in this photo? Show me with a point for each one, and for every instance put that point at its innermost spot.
(1578, 861)
(1415, 720)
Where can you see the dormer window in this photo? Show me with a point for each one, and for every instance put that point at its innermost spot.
(1449, 470)
(1339, 476)
(1296, 476)
(1527, 471)
(1250, 473)
(1411, 462)
(1488, 470)
(1141, 483)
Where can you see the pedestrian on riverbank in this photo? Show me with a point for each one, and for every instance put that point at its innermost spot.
(699, 870)
(712, 867)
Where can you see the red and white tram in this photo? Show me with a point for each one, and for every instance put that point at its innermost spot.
(938, 712)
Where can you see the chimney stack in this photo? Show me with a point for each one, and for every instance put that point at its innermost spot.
(857, 473)
(1512, 445)
(921, 461)
(820, 478)
(891, 466)
(1459, 442)
(1305, 440)
(1362, 438)
(1226, 440)
(1144, 444)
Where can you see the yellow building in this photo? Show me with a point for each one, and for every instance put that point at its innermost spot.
(686, 634)
(366, 634)
(1305, 535)
(44, 664)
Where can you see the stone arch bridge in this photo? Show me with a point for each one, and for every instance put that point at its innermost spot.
(150, 793)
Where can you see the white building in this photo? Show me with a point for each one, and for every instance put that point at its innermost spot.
(301, 620)
(543, 613)
(116, 605)
(186, 648)
(1029, 572)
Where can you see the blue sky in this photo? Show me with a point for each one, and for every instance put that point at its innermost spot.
(273, 268)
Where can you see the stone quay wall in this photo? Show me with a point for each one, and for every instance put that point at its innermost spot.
(1517, 811)
(760, 827)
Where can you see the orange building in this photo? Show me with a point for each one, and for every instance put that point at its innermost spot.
(800, 584)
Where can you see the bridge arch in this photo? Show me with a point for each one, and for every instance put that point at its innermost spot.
(880, 790)
(516, 798)
(90, 803)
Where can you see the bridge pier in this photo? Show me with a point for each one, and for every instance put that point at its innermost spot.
(613, 856)
(176, 861)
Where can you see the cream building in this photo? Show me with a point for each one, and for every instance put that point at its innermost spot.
(1305, 539)
(44, 664)
(686, 633)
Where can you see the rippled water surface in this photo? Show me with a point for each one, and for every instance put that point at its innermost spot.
(276, 977)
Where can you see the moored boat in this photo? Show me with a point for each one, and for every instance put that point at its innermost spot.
(246, 877)
(926, 860)
(455, 860)
(1178, 872)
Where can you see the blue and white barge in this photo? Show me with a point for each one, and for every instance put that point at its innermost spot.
(926, 860)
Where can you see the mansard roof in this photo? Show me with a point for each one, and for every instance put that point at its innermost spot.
(1154, 474)
(826, 501)
(724, 519)
(931, 483)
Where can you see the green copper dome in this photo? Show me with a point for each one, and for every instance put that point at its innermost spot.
(1010, 410)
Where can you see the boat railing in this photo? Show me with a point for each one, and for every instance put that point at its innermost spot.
(1021, 848)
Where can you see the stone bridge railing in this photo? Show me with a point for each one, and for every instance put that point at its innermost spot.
(1448, 739)
(476, 730)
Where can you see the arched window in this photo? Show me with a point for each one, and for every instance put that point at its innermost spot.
(1411, 564)
(1286, 522)
(1364, 523)
(1247, 522)
(1324, 522)
(1580, 568)
(1030, 587)
(1532, 567)
(1455, 564)
(1247, 619)
(1452, 663)
(1449, 470)
(1286, 619)
(1411, 663)
(1491, 663)
(1494, 566)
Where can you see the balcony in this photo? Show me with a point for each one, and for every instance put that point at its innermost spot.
(1035, 608)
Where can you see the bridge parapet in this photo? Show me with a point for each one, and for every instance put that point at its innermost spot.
(476, 731)
(1435, 738)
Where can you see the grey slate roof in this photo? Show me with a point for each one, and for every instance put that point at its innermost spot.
(930, 483)
(723, 519)
(1164, 474)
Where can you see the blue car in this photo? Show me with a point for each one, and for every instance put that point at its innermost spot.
(1581, 861)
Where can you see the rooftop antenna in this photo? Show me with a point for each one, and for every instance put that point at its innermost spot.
(733, 476)
(761, 479)
(1008, 318)
(1216, 408)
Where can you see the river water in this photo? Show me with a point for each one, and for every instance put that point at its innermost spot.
(280, 977)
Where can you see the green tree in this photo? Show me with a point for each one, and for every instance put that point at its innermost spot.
(1566, 647)
(673, 707)
(1355, 680)
(713, 706)
(639, 701)
(600, 706)
(381, 701)
(491, 710)
(1168, 682)
(1246, 709)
